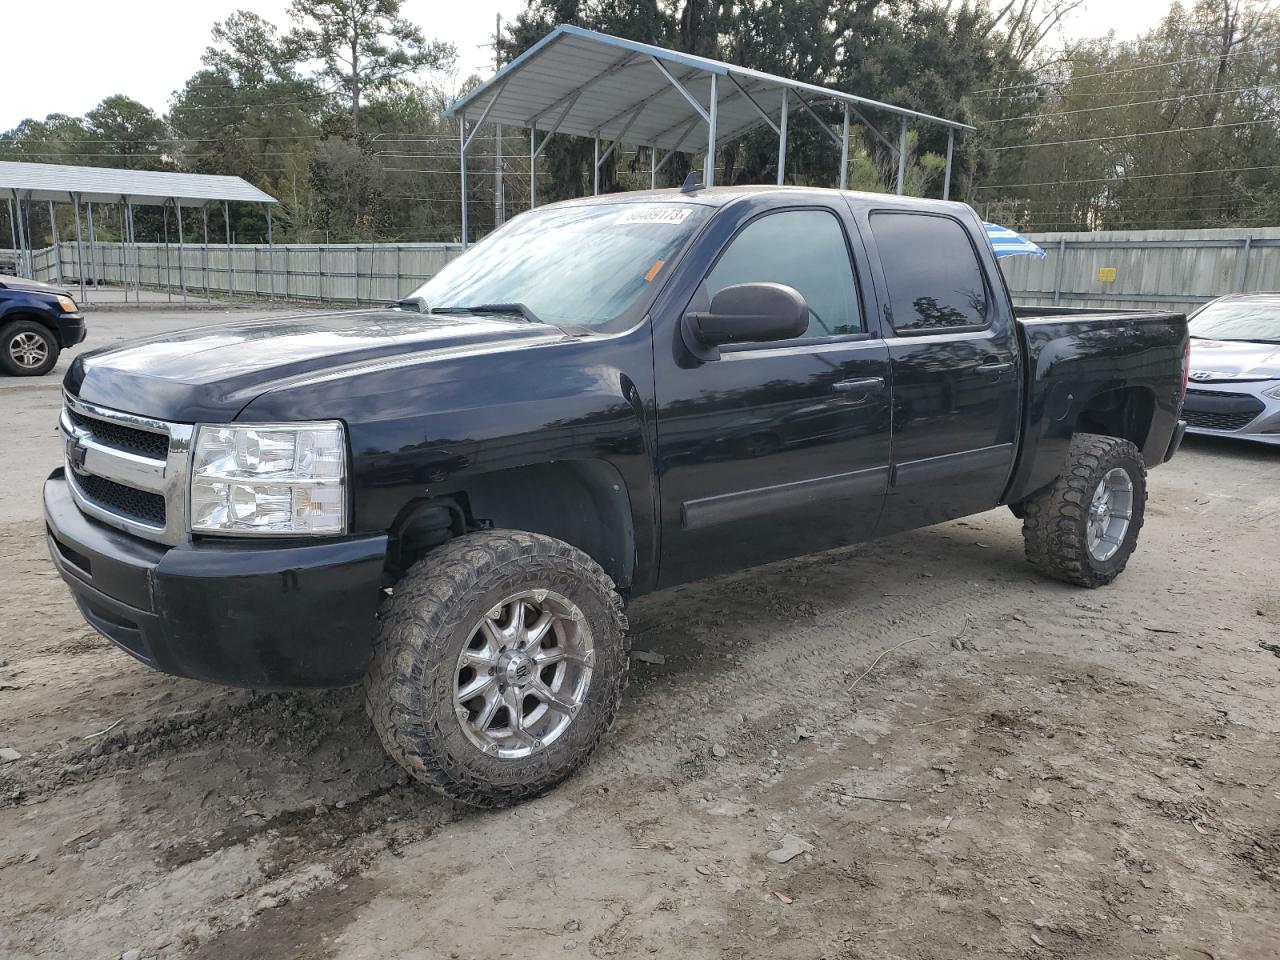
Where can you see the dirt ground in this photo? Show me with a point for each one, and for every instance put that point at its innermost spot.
(973, 761)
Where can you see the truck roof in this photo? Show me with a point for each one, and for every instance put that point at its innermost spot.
(722, 196)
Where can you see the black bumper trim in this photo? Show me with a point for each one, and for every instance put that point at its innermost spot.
(256, 614)
(1179, 431)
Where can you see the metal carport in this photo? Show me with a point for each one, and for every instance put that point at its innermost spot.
(591, 84)
(27, 183)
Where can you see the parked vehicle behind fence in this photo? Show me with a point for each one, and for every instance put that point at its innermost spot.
(450, 499)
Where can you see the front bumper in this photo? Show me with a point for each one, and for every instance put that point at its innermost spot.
(1237, 410)
(71, 329)
(279, 614)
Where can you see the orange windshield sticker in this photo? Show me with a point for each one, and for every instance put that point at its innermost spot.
(653, 271)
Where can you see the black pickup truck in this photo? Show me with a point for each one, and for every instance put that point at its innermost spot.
(450, 498)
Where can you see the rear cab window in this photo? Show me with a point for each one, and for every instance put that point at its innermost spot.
(931, 269)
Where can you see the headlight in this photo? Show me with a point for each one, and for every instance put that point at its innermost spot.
(1273, 393)
(66, 304)
(275, 479)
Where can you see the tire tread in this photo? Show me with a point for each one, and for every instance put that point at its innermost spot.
(427, 606)
(1053, 527)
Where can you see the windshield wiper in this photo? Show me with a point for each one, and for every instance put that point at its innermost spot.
(519, 309)
(416, 304)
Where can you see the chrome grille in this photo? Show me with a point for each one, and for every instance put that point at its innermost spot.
(128, 439)
(138, 505)
(1206, 420)
(128, 471)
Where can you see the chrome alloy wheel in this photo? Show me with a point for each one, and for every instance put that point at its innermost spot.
(524, 674)
(1109, 514)
(28, 349)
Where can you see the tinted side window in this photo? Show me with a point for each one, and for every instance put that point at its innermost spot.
(932, 271)
(804, 249)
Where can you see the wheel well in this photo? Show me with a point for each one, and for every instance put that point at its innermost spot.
(1125, 413)
(17, 315)
(582, 502)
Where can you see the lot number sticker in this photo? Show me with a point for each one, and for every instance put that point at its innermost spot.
(669, 215)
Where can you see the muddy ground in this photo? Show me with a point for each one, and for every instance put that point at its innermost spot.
(1028, 769)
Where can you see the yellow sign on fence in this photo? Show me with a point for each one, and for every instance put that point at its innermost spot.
(1106, 274)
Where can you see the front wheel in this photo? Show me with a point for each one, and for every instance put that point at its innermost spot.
(499, 665)
(1084, 528)
(27, 349)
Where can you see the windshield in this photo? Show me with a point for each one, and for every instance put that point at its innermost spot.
(578, 266)
(1258, 320)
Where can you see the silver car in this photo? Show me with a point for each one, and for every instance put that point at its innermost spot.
(1234, 386)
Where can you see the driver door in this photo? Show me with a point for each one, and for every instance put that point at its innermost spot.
(782, 448)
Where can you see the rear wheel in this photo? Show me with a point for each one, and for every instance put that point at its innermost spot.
(1084, 528)
(500, 664)
(27, 349)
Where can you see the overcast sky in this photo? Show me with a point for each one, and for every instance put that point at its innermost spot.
(148, 48)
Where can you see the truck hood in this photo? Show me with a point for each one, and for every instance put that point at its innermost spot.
(31, 286)
(208, 374)
(1228, 360)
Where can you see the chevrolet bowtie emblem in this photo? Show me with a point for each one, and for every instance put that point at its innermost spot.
(76, 452)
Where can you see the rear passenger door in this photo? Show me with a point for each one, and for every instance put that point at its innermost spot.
(955, 363)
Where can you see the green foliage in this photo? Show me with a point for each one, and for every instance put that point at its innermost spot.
(1176, 129)
(362, 46)
(340, 116)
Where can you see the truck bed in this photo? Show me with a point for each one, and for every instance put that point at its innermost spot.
(1129, 359)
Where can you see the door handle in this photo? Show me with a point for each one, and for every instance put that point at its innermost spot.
(993, 369)
(865, 385)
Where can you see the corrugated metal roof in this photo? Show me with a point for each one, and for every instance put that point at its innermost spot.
(608, 85)
(55, 181)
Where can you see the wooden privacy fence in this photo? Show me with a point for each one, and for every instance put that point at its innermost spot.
(348, 273)
(1145, 269)
(1153, 269)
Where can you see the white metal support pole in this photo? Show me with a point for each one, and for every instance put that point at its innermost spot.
(21, 243)
(653, 167)
(13, 227)
(595, 176)
(231, 263)
(204, 213)
(533, 167)
(271, 254)
(464, 142)
(946, 179)
(844, 151)
(182, 277)
(709, 169)
(136, 263)
(462, 172)
(75, 199)
(94, 264)
(168, 273)
(782, 136)
(499, 209)
(57, 248)
(902, 156)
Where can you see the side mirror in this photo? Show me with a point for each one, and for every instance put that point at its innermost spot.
(746, 313)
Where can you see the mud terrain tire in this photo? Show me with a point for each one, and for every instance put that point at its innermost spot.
(436, 611)
(1057, 524)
